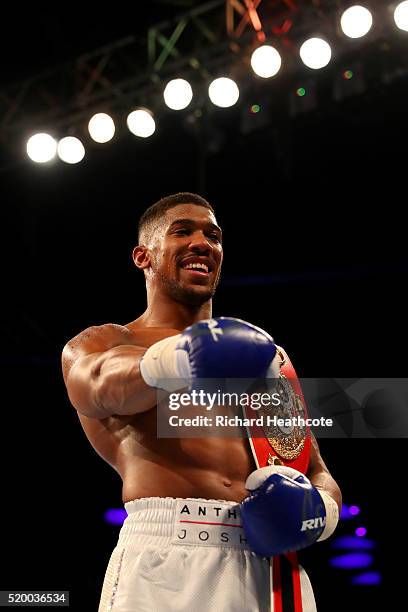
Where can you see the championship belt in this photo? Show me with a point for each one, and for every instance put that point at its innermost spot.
(289, 445)
(283, 443)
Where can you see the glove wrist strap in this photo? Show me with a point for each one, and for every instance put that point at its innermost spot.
(161, 364)
(332, 515)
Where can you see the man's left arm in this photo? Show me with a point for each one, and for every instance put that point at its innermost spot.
(320, 476)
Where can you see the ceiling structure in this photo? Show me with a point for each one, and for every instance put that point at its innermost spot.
(205, 39)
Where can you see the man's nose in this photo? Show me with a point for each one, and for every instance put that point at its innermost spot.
(200, 243)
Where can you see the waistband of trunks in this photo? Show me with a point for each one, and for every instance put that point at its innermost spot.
(164, 521)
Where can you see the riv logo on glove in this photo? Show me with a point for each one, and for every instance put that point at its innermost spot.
(316, 523)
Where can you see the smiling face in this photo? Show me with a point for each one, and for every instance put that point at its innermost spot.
(186, 254)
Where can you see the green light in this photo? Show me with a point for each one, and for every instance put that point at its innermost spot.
(301, 91)
(348, 74)
(255, 108)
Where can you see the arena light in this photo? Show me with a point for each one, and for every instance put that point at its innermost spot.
(367, 578)
(141, 123)
(71, 150)
(101, 128)
(401, 16)
(41, 148)
(315, 53)
(115, 516)
(361, 532)
(356, 21)
(352, 560)
(352, 542)
(266, 61)
(349, 512)
(223, 92)
(178, 94)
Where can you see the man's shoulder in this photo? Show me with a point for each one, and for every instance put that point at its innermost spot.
(107, 335)
(94, 339)
(105, 331)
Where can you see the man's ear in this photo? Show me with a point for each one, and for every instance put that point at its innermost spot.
(141, 257)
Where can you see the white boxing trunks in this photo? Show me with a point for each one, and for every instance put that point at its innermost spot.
(189, 555)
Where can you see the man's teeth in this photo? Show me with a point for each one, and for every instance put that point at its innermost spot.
(198, 266)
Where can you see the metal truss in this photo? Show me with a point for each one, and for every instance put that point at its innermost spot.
(113, 76)
(126, 72)
(247, 15)
(130, 71)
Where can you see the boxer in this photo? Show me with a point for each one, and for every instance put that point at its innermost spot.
(203, 523)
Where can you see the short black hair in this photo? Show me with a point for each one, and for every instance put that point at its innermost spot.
(151, 215)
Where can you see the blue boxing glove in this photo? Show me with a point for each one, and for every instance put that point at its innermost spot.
(213, 348)
(285, 512)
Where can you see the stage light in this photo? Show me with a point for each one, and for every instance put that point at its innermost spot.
(266, 61)
(356, 21)
(349, 512)
(367, 578)
(401, 16)
(141, 123)
(315, 53)
(101, 127)
(41, 148)
(178, 94)
(115, 516)
(361, 532)
(352, 560)
(223, 92)
(352, 542)
(303, 98)
(70, 150)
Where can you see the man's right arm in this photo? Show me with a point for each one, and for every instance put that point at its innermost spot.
(102, 375)
(107, 373)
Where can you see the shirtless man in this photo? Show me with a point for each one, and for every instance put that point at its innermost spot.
(165, 559)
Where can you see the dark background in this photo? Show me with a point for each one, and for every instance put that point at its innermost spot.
(313, 211)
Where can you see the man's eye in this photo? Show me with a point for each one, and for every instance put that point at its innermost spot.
(215, 237)
(181, 232)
